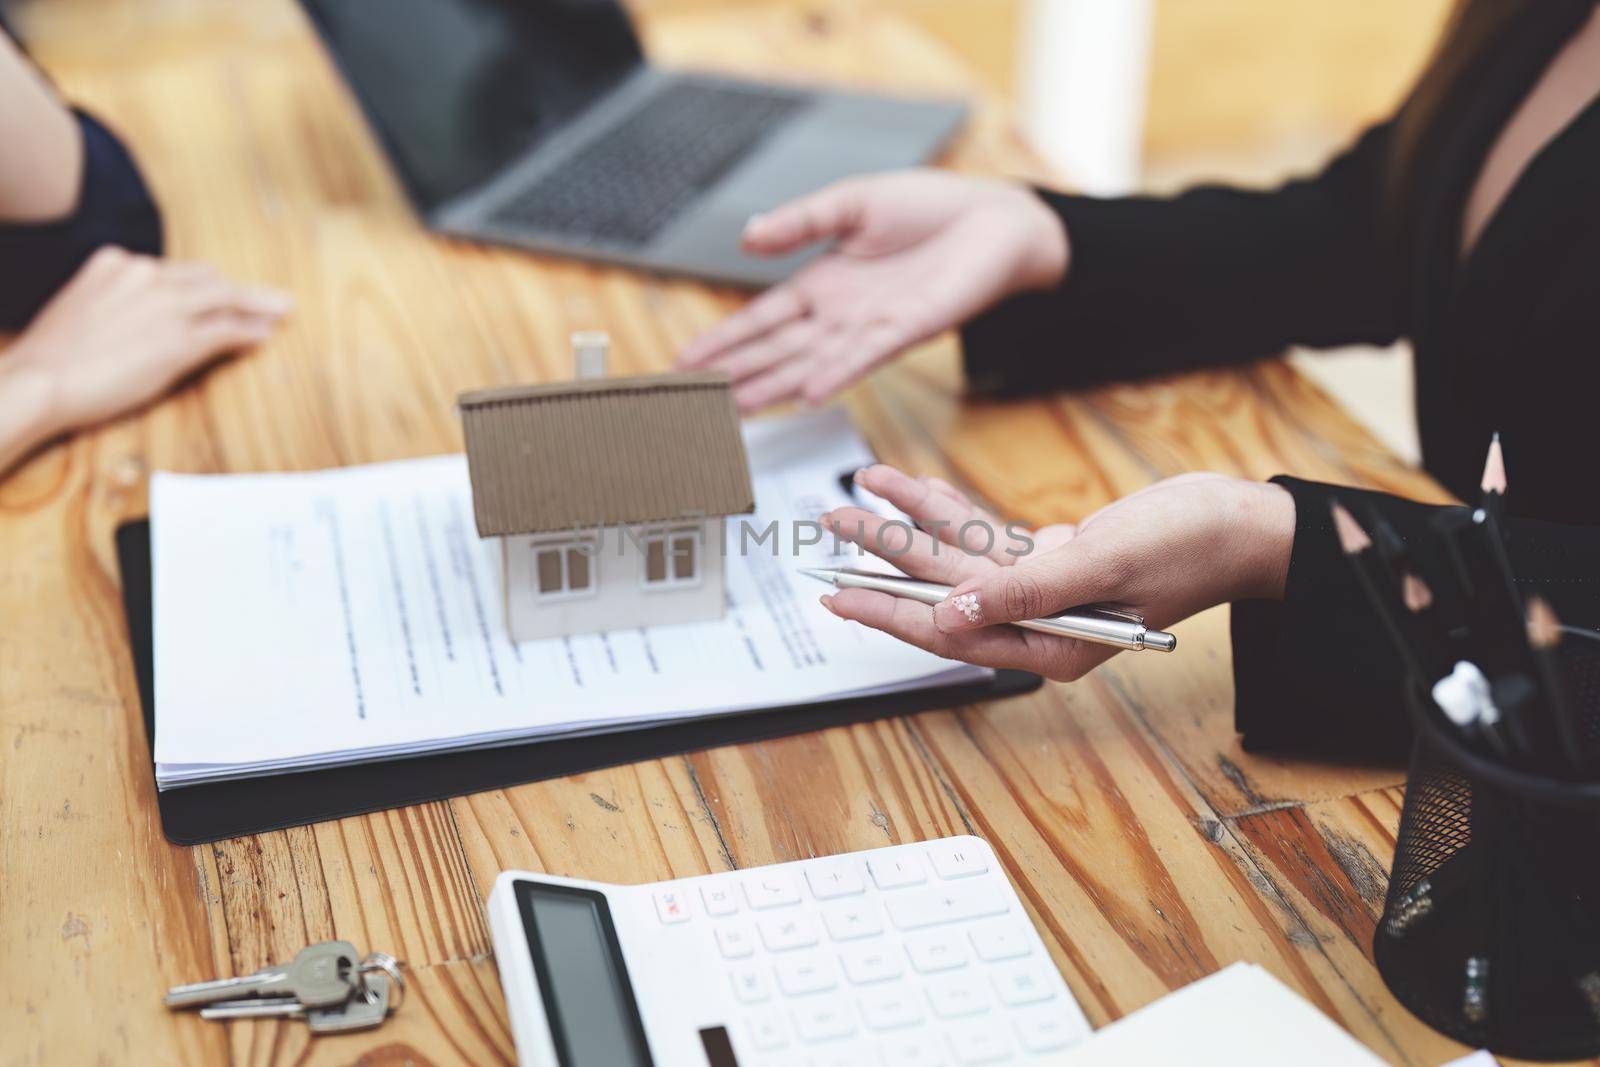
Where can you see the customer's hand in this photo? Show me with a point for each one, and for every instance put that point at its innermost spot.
(123, 331)
(917, 252)
(1165, 552)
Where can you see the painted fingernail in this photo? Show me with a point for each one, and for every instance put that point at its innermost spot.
(967, 603)
(958, 612)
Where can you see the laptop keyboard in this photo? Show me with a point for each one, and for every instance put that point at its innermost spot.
(625, 186)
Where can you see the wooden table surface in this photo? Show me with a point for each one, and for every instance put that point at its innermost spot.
(1149, 849)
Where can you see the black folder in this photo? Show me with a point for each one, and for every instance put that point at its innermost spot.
(197, 814)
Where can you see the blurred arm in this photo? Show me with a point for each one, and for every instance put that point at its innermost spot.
(1213, 276)
(42, 163)
(67, 188)
(27, 418)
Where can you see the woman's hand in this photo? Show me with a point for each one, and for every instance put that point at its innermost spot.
(118, 335)
(918, 252)
(1165, 552)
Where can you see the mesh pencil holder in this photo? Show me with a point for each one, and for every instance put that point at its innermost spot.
(1491, 927)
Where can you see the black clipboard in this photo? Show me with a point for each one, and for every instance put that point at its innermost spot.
(198, 814)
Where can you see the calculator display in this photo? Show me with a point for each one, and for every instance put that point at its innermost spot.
(594, 1019)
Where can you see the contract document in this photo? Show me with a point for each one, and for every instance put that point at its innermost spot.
(308, 620)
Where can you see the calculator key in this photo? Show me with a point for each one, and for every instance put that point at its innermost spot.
(944, 904)
(936, 952)
(767, 1029)
(849, 920)
(899, 868)
(788, 932)
(1047, 1028)
(891, 1009)
(835, 879)
(771, 890)
(824, 1019)
(672, 905)
(719, 899)
(956, 859)
(980, 1044)
(735, 942)
(867, 965)
(957, 996)
(1022, 983)
(808, 974)
(1000, 940)
(914, 1050)
(750, 985)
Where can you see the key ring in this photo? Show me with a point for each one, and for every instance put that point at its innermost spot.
(382, 961)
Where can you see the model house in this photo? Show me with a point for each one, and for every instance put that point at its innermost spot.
(607, 495)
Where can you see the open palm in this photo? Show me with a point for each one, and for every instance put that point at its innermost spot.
(1165, 552)
(916, 252)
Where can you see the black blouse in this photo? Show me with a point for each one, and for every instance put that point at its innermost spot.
(113, 208)
(1508, 341)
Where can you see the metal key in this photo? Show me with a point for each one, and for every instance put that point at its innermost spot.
(361, 1012)
(319, 976)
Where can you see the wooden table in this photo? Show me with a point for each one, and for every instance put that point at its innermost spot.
(1149, 849)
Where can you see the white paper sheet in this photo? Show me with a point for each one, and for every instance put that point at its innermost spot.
(1239, 1017)
(314, 619)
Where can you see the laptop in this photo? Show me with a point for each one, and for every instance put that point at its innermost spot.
(541, 124)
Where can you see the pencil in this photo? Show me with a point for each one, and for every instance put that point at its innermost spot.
(1493, 483)
(1429, 638)
(1490, 517)
(1357, 546)
(1492, 606)
(1514, 696)
(1544, 637)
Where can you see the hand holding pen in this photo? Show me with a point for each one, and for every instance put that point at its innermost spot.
(1163, 553)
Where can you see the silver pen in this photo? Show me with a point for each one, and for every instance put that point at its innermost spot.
(1102, 625)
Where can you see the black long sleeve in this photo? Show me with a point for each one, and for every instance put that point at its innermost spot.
(1316, 672)
(1215, 275)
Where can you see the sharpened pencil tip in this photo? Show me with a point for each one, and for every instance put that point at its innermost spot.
(1352, 538)
(819, 575)
(1494, 468)
(1544, 629)
(1415, 592)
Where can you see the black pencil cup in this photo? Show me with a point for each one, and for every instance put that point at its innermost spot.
(1491, 927)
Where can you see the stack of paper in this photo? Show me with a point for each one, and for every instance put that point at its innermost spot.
(1239, 1017)
(326, 618)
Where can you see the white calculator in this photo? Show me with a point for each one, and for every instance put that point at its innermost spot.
(911, 956)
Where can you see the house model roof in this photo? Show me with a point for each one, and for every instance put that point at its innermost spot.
(601, 451)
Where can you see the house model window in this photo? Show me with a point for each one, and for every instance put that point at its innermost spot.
(643, 471)
(671, 557)
(564, 568)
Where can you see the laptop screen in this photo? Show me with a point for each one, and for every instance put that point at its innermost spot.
(458, 88)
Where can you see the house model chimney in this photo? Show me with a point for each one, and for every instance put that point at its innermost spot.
(589, 348)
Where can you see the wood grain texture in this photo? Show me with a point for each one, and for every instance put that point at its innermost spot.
(1148, 848)
(1331, 861)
